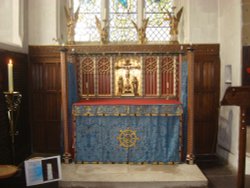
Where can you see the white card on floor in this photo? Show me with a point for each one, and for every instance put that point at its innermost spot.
(42, 170)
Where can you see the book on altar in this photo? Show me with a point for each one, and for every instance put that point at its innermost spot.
(41, 170)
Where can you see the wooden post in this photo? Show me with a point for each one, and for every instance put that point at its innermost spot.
(190, 107)
(239, 96)
(64, 104)
(242, 149)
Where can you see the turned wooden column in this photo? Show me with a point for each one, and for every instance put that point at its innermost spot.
(190, 107)
(64, 104)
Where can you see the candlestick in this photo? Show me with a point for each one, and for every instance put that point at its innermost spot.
(10, 76)
(13, 100)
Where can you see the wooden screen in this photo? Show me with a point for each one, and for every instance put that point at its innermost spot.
(103, 76)
(139, 75)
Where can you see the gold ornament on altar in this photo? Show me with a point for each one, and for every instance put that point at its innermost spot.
(141, 32)
(127, 138)
(127, 73)
(102, 30)
(174, 22)
(72, 18)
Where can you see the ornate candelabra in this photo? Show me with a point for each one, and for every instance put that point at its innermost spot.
(13, 100)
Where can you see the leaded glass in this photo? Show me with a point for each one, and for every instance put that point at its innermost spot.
(86, 30)
(121, 13)
(158, 29)
(120, 25)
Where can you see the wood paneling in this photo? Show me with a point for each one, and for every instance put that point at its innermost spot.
(206, 97)
(45, 100)
(22, 140)
(45, 92)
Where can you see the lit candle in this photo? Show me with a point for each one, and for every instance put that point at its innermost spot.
(10, 76)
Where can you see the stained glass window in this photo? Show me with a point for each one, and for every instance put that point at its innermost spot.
(86, 30)
(158, 29)
(119, 16)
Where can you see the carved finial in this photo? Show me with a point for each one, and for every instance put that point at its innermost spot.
(72, 18)
(102, 30)
(174, 22)
(141, 32)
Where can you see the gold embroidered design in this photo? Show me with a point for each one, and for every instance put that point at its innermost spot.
(127, 138)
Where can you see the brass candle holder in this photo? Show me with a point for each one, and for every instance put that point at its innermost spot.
(13, 100)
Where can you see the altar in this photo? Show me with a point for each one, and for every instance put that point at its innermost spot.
(132, 107)
(127, 131)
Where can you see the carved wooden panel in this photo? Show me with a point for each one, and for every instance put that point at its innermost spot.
(45, 103)
(150, 76)
(104, 76)
(206, 102)
(169, 69)
(87, 76)
(127, 74)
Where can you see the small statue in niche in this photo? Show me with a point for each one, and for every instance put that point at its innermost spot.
(71, 23)
(174, 22)
(135, 85)
(102, 30)
(120, 85)
(141, 32)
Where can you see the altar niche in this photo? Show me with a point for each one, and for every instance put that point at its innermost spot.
(129, 75)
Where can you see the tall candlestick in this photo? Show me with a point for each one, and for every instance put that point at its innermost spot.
(10, 76)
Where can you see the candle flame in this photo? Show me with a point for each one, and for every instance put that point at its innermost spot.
(10, 61)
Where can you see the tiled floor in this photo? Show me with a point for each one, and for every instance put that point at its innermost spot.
(220, 175)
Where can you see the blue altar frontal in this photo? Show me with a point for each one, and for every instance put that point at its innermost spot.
(121, 131)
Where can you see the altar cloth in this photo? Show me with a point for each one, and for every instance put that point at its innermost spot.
(127, 130)
(127, 107)
(126, 101)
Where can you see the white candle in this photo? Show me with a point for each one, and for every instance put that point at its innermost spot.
(10, 76)
(104, 14)
(70, 3)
